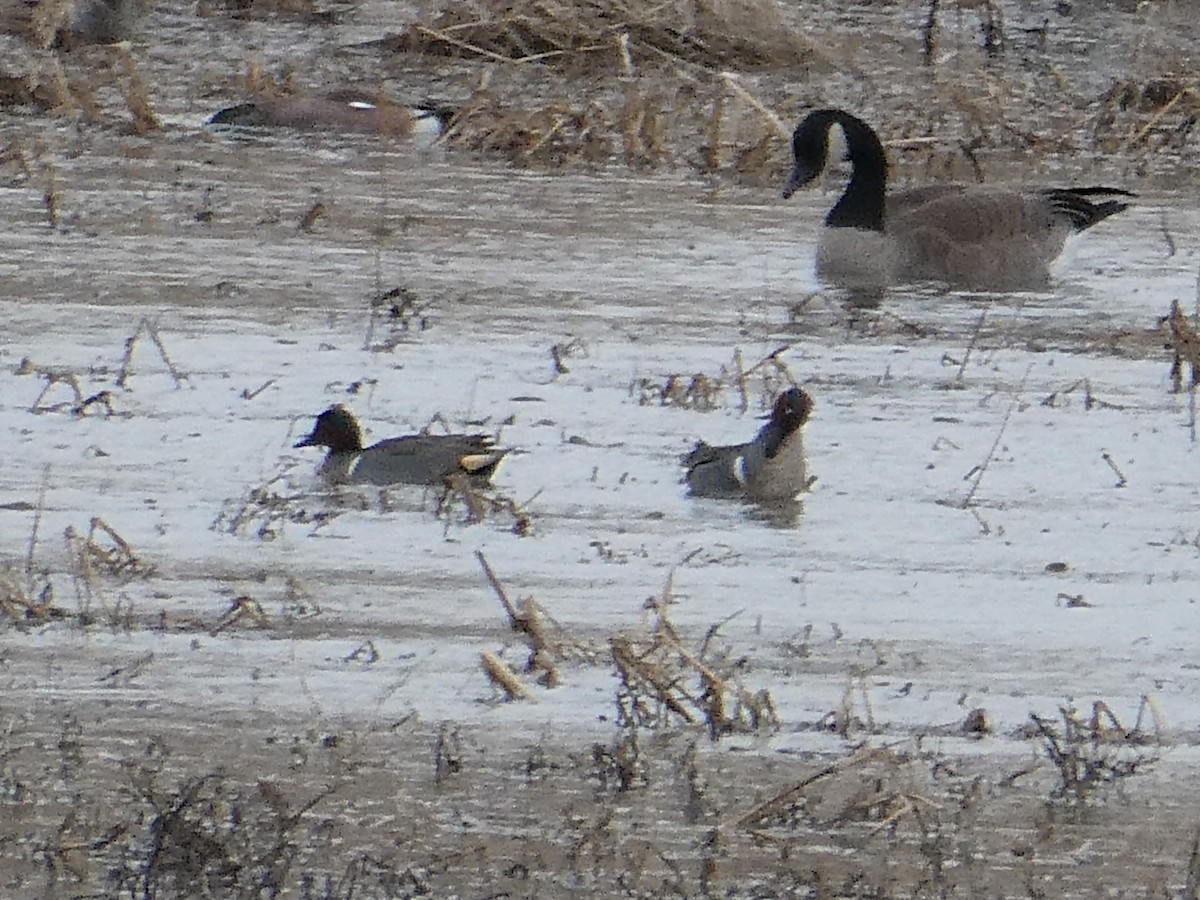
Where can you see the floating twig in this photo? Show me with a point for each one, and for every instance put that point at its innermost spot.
(1121, 480)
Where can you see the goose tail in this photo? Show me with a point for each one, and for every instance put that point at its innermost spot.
(1082, 207)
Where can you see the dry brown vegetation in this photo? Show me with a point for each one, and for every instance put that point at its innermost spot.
(1184, 343)
(659, 807)
(705, 85)
(764, 380)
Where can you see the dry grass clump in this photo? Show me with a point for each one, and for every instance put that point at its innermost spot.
(209, 836)
(137, 97)
(150, 330)
(41, 23)
(596, 36)
(98, 560)
(1092, 752)
(663, 682)
(27, 600)
(872, 789)
(242, 609)
(399, 312)
(548, 644)
(698, 391)
(766, 379)
(103, 553)
(78, 405)
(1183, 340)
(1156, 114)
(101, 560)
(712, 124)
(264, 511)
(65, 84)
(43, 83)
(464, 502)
(560, 134)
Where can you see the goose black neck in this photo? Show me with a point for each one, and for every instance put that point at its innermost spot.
(862, 204)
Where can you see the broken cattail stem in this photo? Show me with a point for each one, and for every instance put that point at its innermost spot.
(502, 676)
(501, 594)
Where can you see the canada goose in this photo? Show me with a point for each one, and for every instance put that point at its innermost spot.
(343, 111)
(970, 236)
(770, 468)
(411, 459)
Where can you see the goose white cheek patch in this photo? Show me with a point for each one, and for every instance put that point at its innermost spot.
(837, 147)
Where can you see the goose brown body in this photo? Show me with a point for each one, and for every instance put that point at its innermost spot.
(970, 236)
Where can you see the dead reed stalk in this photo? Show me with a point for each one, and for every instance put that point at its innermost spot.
(661, 679)
(148, 328)
(1183, 340)
(500, 675)
(242, 608)
(530, 622)
(137, 98)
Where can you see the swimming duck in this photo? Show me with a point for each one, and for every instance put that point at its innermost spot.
(344, 111)
(769, 468)
(411, 459)
(969, 236)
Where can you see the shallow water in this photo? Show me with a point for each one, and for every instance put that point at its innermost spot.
(644, 279)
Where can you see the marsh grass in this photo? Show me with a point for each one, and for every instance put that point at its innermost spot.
(266, 509)
(873, 787)
(143, 118)
(399, 313)
(100, 564)
(654, 810)
(1091, 753)
(547, 643)
(148, 329)
(243, 609)
(1183, 340)
(79, 405)
(764, 380)
(593, 36)
(464, 502)
(28, 600)
(663, 682)
(129, 795)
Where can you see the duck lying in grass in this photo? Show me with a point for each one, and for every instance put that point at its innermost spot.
(348, 111)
